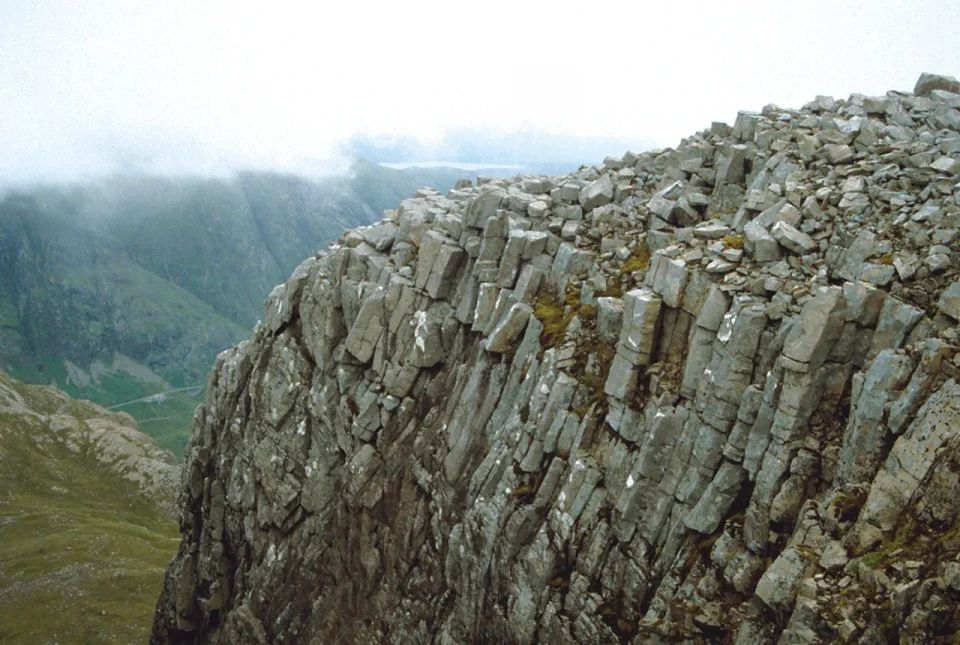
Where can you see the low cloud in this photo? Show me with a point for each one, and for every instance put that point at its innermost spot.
(92, 87)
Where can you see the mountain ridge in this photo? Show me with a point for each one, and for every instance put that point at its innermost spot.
(704, 394)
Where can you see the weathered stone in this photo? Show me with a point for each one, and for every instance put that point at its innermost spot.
(483, 207)
(912, 457)
(834, 556)
(438, 259)
(950, 301)
(717, 499)
(667, 278)
(609, 318)
(792, 239)
(380, 236)
(403, 422)
(863, 303)
(622, 378)
(509, 329)
(821, 322)
(762, 245)
(778, 586)
(641, 312)
(927, 83)
(896, 320)
(366, 331)
(597, 193)
(947, 165)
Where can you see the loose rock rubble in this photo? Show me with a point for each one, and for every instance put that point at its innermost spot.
(701, 394)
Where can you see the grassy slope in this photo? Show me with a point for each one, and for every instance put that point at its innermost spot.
(167, 422)
(81, 553)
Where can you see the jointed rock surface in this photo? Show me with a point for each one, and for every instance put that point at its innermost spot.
(702, 394)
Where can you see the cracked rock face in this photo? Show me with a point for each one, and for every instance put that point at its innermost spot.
(697, 394)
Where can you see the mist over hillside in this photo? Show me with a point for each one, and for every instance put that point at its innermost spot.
(127, 287)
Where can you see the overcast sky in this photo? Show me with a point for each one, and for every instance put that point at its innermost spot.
(89, 86)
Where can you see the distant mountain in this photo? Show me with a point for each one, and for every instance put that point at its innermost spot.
(505, 152)
(86, 520)
(129, 287)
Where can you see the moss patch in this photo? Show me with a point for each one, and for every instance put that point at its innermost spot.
(639, 259)
(733, 242)
(550, 312)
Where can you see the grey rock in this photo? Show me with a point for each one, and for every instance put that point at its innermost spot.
(947, 165)
(401, 423)
(731, 170)
(483, 207)
(510, 328)
(609, 318)
(896, 320)
(912, 457)
(927, 83)
(821, 322)
(792, 239)
(834, 556)
(438, 259)
(380, 236)
(778, 586)
(761, 244)
(597, 193)
(717, 499)
(667, 278)
(641, 312)
(950, 301)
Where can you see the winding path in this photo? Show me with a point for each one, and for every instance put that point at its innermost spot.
(152, 397)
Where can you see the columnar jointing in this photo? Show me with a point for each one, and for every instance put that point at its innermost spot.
(697, 394)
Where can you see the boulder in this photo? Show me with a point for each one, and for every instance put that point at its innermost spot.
(950, 301)
(927, 83)
(597, 193)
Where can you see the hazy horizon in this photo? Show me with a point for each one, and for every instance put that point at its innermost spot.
(94, 88)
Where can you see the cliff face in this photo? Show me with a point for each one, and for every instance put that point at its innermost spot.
(701, 394)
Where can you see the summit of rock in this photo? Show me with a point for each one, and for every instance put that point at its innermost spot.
(700, 394)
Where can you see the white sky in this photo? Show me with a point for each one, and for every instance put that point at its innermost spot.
(202, 86)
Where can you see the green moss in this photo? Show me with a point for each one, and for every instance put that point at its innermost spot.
(873, 559)
(550, 312)
(612, 290)
(639, 259)
(847, 506)
(733, 241)
(906, 543)
(558, 583)
(886, 259)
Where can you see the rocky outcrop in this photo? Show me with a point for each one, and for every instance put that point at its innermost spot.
(49, 420)
(700, 394)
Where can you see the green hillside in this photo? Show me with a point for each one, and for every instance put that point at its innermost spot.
(129, 287)
(82, 551)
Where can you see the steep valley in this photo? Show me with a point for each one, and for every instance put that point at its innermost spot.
(128, 287)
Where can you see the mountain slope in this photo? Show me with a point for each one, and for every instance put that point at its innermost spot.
(85, 520)
(707, 394)
(101, 283)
